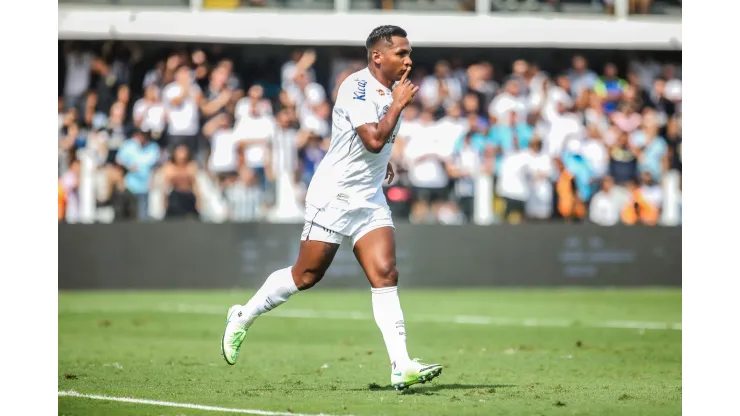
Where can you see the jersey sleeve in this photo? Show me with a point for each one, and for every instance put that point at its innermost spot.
(359, 105)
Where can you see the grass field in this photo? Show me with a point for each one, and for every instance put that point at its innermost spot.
(545, 352)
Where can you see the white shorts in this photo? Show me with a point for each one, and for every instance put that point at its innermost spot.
(334, 222)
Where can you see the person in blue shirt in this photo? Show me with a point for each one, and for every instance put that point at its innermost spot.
(578, 166)
(502, 136)
(610, 88)
(138, 156)
(652, 150)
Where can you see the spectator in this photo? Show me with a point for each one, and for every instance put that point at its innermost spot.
(673, 86)
(77, 76)
(481, 83)
(664, 107)
(651, 148)
(300, 62)
(581, 78)
(651, 191)
(101, 99)
(254, 132)
(138, 156)
(673, 143)
(541, 172)
(610, 88)
(181, 98)
(61, 201)
(504, 136)
(506, 102)
(552, 98)
(513, 182)
(426, 159)
(564, 125)
(115, 132)
(441, 89)
(283, 149)
(244, 197)
(125, 204)
(623, 160)
(604, 207)
(223, 160)
(217, 95)
(465, 164)
(70, 182)
(638, 209)
(149, 113)
(595, 114)
(569, 204)
(626, 119)
(180, 185)
(255, 98)
(578, 166)
(596, 155)
(200, 69)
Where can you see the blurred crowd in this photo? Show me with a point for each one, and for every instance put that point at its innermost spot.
(584, 144)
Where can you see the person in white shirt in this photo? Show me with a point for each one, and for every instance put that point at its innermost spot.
(467, 162)
(605, 205)
(506, 102)
(223, 161)
(541, 174)
(596, 154)
(562, 127)
(345, 200)
(254, 133)
(426, 157)
(440, 89)
(513, 184)
(547, 99)
(77, 76)
(149, 113)
(181, 99)
(651, 191)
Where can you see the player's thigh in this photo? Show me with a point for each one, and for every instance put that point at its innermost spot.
(318, 248)
(375, 250)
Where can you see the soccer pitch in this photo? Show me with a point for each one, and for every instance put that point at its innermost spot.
(505, 352)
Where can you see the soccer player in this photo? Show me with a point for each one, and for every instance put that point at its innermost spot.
(345, 201)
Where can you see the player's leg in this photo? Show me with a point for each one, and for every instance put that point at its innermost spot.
(375, 249)
(317, 251)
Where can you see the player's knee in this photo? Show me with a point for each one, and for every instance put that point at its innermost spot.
(387, 275)
(306, 279)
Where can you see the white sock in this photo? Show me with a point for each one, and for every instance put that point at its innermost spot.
(389, 317)
(278, 287)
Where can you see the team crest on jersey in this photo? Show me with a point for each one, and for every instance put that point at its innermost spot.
(381, 93)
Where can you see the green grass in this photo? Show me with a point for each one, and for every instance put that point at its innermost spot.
(135, 344)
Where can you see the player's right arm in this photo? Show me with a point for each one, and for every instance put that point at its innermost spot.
(375, 135)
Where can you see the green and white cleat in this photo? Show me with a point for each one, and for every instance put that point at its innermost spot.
(414, 372)
(233, 337)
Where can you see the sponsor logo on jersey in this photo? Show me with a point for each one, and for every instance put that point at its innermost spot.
(360, 93)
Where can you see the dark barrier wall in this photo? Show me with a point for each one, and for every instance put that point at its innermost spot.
(175, 255)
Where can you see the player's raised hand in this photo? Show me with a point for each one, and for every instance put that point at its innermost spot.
(404, 92)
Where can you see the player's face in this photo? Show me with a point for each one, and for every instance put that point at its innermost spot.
(396, 58)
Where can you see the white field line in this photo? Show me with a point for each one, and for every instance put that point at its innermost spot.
(183, 405)
(349, 315)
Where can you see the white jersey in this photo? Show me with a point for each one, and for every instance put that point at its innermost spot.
(349, 172)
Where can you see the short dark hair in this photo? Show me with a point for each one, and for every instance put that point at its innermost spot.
(385, 32)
